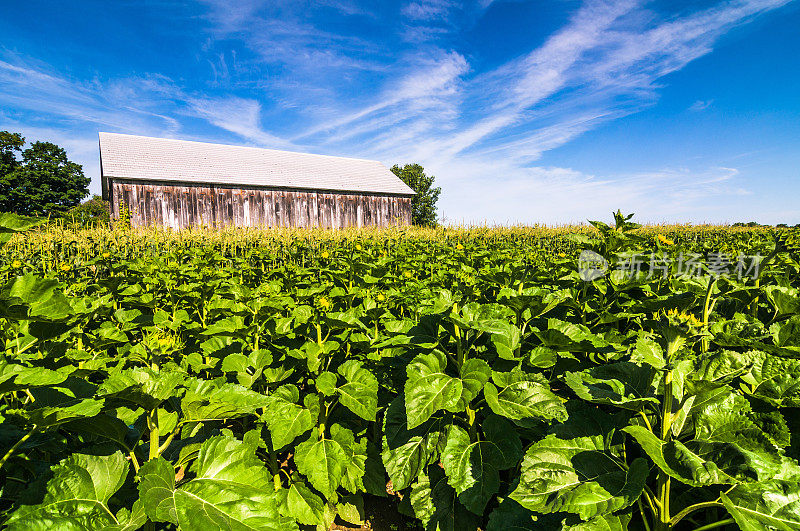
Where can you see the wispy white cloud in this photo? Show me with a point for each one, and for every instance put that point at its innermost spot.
(497, 102)
(701, 105)
(548, 194)
(237, 115)
(605, 64)
(71, 112)
(602, 66)
(428, 10)
(428, 21)
(604, 58)
(429, 87)
(284, 33)
(132, 102)
(151, 104)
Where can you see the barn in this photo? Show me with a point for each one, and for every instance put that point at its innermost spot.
(179, 184)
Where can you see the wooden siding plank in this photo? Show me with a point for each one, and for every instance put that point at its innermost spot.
(183, 206)
(269, 209)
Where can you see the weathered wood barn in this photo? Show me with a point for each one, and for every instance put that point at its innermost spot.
(177, 183)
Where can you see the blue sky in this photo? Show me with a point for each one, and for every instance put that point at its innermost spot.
(546, 111)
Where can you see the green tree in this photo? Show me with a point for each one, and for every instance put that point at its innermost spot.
(93, 211)
(10, 145)
(423, 205)
(43, 182)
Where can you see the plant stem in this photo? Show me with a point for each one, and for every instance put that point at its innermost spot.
(754, 304)
(644, 516)
(152, 421)
(273, 464)
(322, 420)
(665, 504)
(652, 499)
(646, 420)
(171, 436)
(692, 508)
(706, 308)
(757, 283)
(135, 461)
(716, 524)
(13, 449)
(663, 481)
(459, 347)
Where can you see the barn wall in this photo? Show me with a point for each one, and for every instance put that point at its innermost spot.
(184, 205)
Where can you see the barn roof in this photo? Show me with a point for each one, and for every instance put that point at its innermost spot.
(163, 159)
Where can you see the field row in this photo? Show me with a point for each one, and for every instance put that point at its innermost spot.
(469, 378)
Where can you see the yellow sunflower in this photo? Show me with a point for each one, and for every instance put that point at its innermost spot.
(324, 303)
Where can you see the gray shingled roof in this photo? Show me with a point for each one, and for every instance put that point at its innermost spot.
(162, 159)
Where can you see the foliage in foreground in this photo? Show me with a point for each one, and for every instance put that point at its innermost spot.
(478, 381)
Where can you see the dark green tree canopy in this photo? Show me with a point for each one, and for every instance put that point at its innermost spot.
(10, 145)
(42, 182)
(94, 211)
(423, 205)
